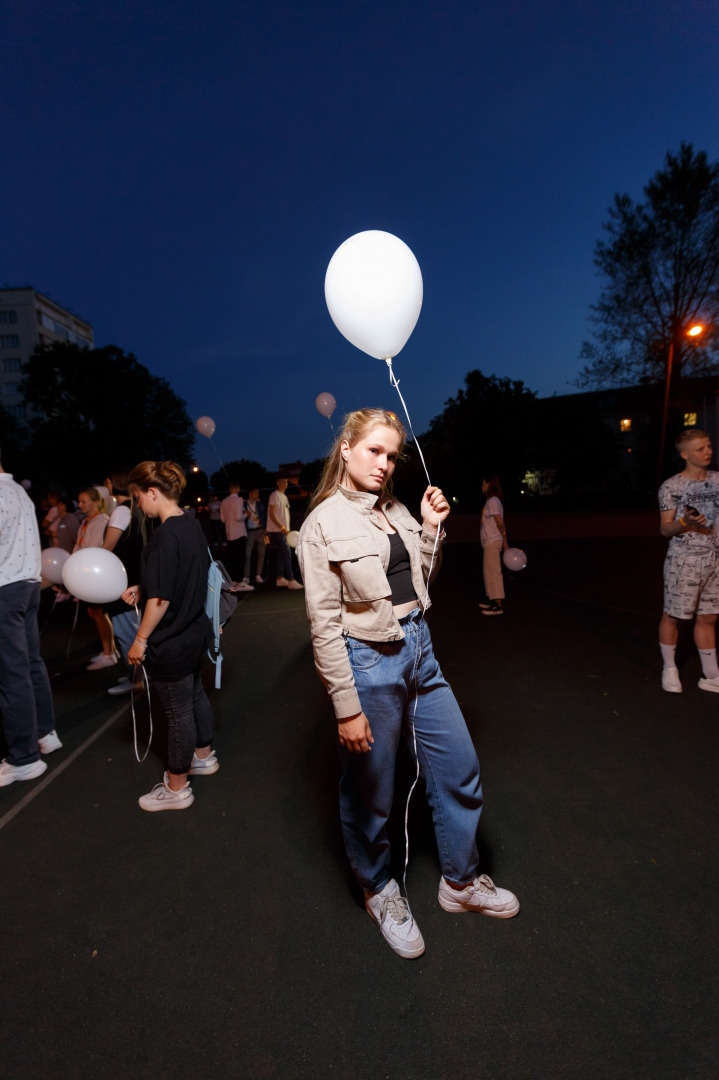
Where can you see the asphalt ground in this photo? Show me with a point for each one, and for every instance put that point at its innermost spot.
(230, 941)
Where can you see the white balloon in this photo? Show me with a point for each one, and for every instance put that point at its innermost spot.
(53, 559)
(95, 575)
(373, 289)
(514, 559)
(206, 426)
(325, 404)
(292, 538)
(27, 484)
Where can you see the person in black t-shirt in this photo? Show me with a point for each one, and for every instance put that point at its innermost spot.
(174, 630)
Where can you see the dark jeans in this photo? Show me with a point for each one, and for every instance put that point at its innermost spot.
(283, 566)
(25, 696)
(189, 719)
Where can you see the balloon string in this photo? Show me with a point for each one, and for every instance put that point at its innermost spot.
(222, 464)
(395, 383)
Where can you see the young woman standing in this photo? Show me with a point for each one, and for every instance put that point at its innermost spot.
(174, 630)
(494, 541)
(366, 563)
(91, 534)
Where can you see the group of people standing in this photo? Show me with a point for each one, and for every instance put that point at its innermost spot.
(250, 529)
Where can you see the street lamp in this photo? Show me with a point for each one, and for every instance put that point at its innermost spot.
(693, 332)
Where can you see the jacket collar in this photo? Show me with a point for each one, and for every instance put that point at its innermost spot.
(360, 500)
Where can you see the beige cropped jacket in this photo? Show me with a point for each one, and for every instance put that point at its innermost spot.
(344, 555)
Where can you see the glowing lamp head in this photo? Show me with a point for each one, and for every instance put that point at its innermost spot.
(695, 331)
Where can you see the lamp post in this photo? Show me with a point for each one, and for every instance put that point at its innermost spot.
(693, 332)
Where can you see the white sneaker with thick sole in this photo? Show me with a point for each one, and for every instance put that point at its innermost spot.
(162, 797)
(10, 773)
(281, 582)
(204, 766)
(126, 686)
(243, 586)
(709, 684)
(671, 682)
(49, 742)
(480, 895)
(101, 661)
(294, 585)
(390, 911)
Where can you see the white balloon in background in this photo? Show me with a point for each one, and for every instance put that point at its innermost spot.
(27, 484)
(53, 559)
(514, 559)
(292, 538)
(373, 289)
(95, 575)
(206, 426)
(325, 404)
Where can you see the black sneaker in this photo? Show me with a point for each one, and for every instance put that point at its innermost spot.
(493, 608)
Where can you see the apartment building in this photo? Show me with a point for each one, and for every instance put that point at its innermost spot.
(27, 319)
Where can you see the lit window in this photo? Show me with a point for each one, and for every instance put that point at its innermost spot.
(625, 425)
(690, 419)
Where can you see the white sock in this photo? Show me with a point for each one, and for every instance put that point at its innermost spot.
(668, 657)
(709, 663)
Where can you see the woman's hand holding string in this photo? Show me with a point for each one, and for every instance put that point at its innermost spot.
(434, 508)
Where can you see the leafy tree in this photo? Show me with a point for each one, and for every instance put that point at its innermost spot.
(98, 407)
(246, 472)
(488, 427)
(660, 275)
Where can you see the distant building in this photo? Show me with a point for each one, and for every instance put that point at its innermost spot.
(27, 319)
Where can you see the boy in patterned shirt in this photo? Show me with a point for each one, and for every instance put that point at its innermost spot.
(689, 516)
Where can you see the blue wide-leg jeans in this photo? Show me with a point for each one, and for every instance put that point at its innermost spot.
(401, 687)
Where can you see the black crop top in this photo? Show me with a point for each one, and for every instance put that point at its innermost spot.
(399, 572)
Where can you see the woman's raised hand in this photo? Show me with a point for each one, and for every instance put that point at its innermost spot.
(434, 507)
(355, 733)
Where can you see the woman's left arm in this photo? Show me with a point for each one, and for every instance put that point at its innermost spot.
(153, 614)
(500, 525)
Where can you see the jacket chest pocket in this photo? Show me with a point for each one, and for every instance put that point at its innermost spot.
(358, 560)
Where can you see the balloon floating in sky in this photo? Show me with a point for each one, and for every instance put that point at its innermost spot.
(325, 404)
(373, 289)
(95, 575)
(206, 426)
(514, 559)
(53, 559)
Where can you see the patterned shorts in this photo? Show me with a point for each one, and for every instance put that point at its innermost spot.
(691, 584)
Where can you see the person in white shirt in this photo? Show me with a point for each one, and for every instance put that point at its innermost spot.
(493, 535)
(278, 525)
(28, 717)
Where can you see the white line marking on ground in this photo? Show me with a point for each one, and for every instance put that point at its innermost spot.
(53, 775)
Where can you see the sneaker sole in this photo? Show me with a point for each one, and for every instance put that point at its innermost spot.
(458, 909)
(205, 772)
(166, 806)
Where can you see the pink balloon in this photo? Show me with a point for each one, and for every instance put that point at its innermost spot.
(325, 404)
(206, 426)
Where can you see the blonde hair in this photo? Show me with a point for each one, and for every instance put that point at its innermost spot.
(687, 436)
(356, 425)
(166, 476)
(94, 495)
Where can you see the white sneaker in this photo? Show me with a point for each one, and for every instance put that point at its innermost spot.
(162, 797)
(390, 911)
(480, 895)
(10, 773)
(101, 661)
(204, 766)
(243, 586)
(294, 585)
(259, 580)
(710, 684)
(671, 682)
(125, 686)
(281, 582)
(49, 742)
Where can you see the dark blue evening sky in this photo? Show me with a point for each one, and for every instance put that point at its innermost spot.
(181, 173)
